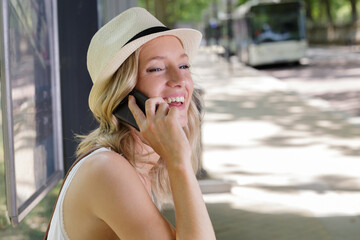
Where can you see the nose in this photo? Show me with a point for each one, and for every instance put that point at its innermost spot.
(176, 77)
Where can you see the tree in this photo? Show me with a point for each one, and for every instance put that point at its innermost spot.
(354, 16)
(327, 11)
(308, 7)
(327, 5)
(171, 12)
(147, 6)
(161, 11)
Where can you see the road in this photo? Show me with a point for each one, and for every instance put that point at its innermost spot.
(329, 73)
(293, 166)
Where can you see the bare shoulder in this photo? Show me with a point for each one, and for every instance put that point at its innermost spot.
(102, 173)
(108, 171)
(116, 195)
(107, 196)
(107, 183)
(100, 194)
(107, 162)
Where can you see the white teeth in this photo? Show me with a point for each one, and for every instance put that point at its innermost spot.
(175, 99)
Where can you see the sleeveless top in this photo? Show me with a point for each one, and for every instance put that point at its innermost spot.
(57, 229)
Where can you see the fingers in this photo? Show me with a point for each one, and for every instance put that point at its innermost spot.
(159, 110)
(153, 105)
(139, 116)
(173, 112)
(162, 109)
(160, 128)
(156, 110)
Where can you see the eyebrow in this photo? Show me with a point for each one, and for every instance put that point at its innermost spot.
(184, 55)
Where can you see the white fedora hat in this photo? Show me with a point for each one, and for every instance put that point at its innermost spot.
(118, 39)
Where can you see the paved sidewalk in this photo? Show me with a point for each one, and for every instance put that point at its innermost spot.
(293, 163)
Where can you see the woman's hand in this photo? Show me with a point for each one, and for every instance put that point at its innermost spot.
(162, 130)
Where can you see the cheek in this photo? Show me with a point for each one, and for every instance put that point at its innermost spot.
(148, 86)
(190, 88)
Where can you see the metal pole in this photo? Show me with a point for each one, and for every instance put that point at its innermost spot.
(216, 30)
(229, 28)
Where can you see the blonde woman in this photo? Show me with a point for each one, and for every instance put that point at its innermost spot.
(124, 175)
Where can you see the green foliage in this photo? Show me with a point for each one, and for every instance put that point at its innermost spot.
(239, 2)
(340, 11)
(178, 10)
(35, 224)
(191, 10)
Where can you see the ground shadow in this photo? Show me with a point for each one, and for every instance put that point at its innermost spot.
(232, 223)
(291, 113)
(321, 184)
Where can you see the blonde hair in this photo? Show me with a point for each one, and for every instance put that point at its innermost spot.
(116, 135)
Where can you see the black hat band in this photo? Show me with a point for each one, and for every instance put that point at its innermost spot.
(148, 31)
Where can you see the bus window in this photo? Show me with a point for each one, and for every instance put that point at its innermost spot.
(274, 22)
(275, 32)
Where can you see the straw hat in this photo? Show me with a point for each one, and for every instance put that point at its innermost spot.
(119, 38)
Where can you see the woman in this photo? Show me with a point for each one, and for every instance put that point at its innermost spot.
(111, 192)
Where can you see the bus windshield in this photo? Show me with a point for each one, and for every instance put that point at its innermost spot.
(276, 22)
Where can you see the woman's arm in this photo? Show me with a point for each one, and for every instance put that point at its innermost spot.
(123, 202)
(107, 196)
(162, 131)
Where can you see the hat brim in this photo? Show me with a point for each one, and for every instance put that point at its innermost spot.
(190, 39)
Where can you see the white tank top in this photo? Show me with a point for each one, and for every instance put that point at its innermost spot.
(57, 230)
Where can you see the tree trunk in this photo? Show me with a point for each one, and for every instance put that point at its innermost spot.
(160, 11)
(327, 5)
(354, 16)
(308, 8)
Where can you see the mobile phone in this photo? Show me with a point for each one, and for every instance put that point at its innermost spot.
(122, 111)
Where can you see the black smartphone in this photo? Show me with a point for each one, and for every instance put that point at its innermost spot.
(122, 111)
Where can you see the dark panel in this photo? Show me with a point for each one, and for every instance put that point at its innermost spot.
(77, 24)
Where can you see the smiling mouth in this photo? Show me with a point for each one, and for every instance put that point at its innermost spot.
(175, 100)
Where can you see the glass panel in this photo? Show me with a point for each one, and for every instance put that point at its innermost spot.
(30, 73)
(3, 221)
(32, 98)
(276, 22)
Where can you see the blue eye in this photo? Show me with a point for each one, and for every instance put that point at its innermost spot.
(154, 70)
(186, 66)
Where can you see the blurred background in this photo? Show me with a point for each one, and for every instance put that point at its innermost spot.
(281, 131)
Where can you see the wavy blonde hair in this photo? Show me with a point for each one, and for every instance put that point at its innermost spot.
(116, 135)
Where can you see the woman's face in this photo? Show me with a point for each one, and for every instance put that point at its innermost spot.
(164, 72)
